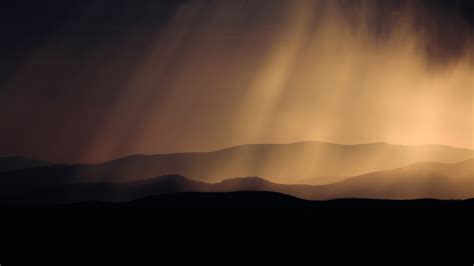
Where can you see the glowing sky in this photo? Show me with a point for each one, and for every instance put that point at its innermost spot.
(94, 80)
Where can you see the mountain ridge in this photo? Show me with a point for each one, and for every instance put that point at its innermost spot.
(422, 180)
(314, 163)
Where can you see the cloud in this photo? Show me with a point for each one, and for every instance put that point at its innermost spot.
(103, 80)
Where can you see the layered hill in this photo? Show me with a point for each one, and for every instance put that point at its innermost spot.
(314, 163)
(303, 162)
(421, 180)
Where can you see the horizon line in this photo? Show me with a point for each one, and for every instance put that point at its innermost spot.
(236, 146)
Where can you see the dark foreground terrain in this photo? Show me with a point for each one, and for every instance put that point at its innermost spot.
(239, 225)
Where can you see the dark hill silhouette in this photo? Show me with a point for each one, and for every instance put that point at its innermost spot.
(241, 223)
(265, 199)
(114, 191)
(126, 191)
(240, 199)
(304, 162)
(421, 180)
(11, 163)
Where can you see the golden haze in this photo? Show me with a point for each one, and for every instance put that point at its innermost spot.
(298, 70)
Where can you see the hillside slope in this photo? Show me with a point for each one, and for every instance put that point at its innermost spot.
(315, 163)
(421, 180)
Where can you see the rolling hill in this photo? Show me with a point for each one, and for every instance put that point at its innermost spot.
(265, 223)
(315, 163)
(303, 162)
(421, 180)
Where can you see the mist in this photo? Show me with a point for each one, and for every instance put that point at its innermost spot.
(222, 73)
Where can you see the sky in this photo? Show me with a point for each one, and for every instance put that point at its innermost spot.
(89, 81)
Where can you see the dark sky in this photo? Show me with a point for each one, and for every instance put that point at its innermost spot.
(29, 24)
(94, 80)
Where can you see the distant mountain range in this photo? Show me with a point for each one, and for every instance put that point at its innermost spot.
(314, 163)
(420, 180)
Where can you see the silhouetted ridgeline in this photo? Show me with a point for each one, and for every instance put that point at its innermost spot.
(243, 224)
(298, 163)
(421, 180)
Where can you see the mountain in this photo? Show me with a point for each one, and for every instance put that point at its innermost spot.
(116, 192)
(421, 180)
(169, 184)
(11, 163)
(303, 162)
(314, 163)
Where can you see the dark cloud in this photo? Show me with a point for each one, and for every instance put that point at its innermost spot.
(445, 28)
(447, 25)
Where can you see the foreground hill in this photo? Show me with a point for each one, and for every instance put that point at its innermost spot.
(305, 162)
(421, 180)
(248, 224)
